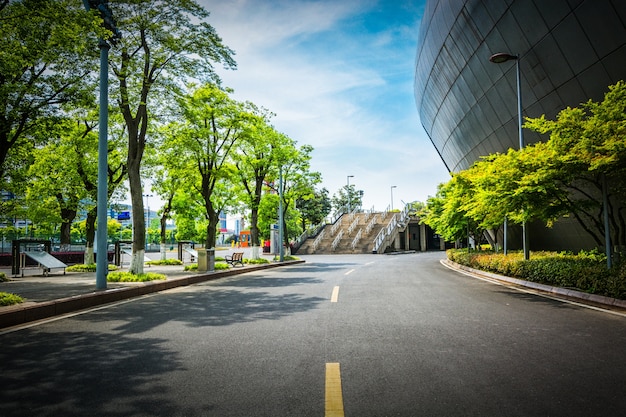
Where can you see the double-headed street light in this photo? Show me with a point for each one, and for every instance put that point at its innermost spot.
(500, 58)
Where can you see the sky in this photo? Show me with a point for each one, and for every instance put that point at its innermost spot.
(338, 74)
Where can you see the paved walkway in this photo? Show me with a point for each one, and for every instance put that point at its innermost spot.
(59, 293)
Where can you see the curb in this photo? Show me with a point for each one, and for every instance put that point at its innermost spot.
(24, 314)
(564, 292)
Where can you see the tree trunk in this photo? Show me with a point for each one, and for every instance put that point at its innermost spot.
(139, 227)
(90, 230)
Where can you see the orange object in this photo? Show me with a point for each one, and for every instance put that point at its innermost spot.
(244, 238)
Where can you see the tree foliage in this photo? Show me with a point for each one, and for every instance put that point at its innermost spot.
(163, 44)
(45, 62)
(563, 176)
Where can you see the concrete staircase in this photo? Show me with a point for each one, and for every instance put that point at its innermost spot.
(351, 233)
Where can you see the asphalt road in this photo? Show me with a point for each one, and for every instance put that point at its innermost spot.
(364, 335)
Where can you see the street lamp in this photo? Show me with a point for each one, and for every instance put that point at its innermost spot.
(392, 187)
(349, 193)
(500, 58)
(102, 267)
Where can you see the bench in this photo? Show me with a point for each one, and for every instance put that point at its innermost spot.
(235, 259)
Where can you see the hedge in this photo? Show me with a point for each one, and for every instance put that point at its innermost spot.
(585, 271)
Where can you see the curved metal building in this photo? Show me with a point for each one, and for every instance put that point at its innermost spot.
(569, 51)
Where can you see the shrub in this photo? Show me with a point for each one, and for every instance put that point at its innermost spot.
(3, 277)
(165, 262)
(130, 277)
(217, 267)
(256, 261)
(585, 271)
(87, 268)
(287, 258)
(8, 299)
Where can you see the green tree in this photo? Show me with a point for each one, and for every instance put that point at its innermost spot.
(298, 184)
(257, 160)
(343, 195)
(200, 149)
(589, 143)
(47, 61)
(161, 45)
(314, 208)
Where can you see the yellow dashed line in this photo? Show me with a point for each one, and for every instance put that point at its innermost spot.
(334, 397)
(335, 295)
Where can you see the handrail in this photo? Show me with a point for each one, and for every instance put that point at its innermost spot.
(356, 239)
(337, 239)
(371, 224)
(335, 227)
(318, 239)
(384, 233)
(353, 225)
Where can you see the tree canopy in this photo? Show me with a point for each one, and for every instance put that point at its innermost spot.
(562, 176)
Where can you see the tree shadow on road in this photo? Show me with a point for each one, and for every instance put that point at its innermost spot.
(84, 373)
(204, 305)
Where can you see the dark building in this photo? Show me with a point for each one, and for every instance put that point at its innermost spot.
(569, 51)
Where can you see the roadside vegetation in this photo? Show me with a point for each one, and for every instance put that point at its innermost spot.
(584, 271)
(578, 172)
(87, 268)
(130, 277)
(8, 299)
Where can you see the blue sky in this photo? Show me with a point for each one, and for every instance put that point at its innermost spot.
(339, 76)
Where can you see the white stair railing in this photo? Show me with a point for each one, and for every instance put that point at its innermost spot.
(356, 239)
(333, 230)
(337, 240)
(371, 224)
(318, 239)
(353, 226)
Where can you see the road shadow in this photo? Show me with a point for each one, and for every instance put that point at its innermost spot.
(202, 306)
(264, 282)
(84, 373)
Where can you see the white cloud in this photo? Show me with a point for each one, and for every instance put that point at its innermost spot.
(337, 84)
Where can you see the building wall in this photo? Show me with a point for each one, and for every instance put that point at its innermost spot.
(570, 51)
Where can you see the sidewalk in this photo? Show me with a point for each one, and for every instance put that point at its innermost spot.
(55, 294)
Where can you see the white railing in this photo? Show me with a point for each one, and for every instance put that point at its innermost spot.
(356, 239)
(371, 224)
(353, 226)
(384, 236)
(337, 240)
(318, 239)
(333, 230)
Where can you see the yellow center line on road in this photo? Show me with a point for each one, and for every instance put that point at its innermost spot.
(335, 295)
(334, 397)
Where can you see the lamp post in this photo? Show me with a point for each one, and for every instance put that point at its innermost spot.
(500, 58)
(102, 267)
(349, 193)
(392, 187)
(147, 218)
